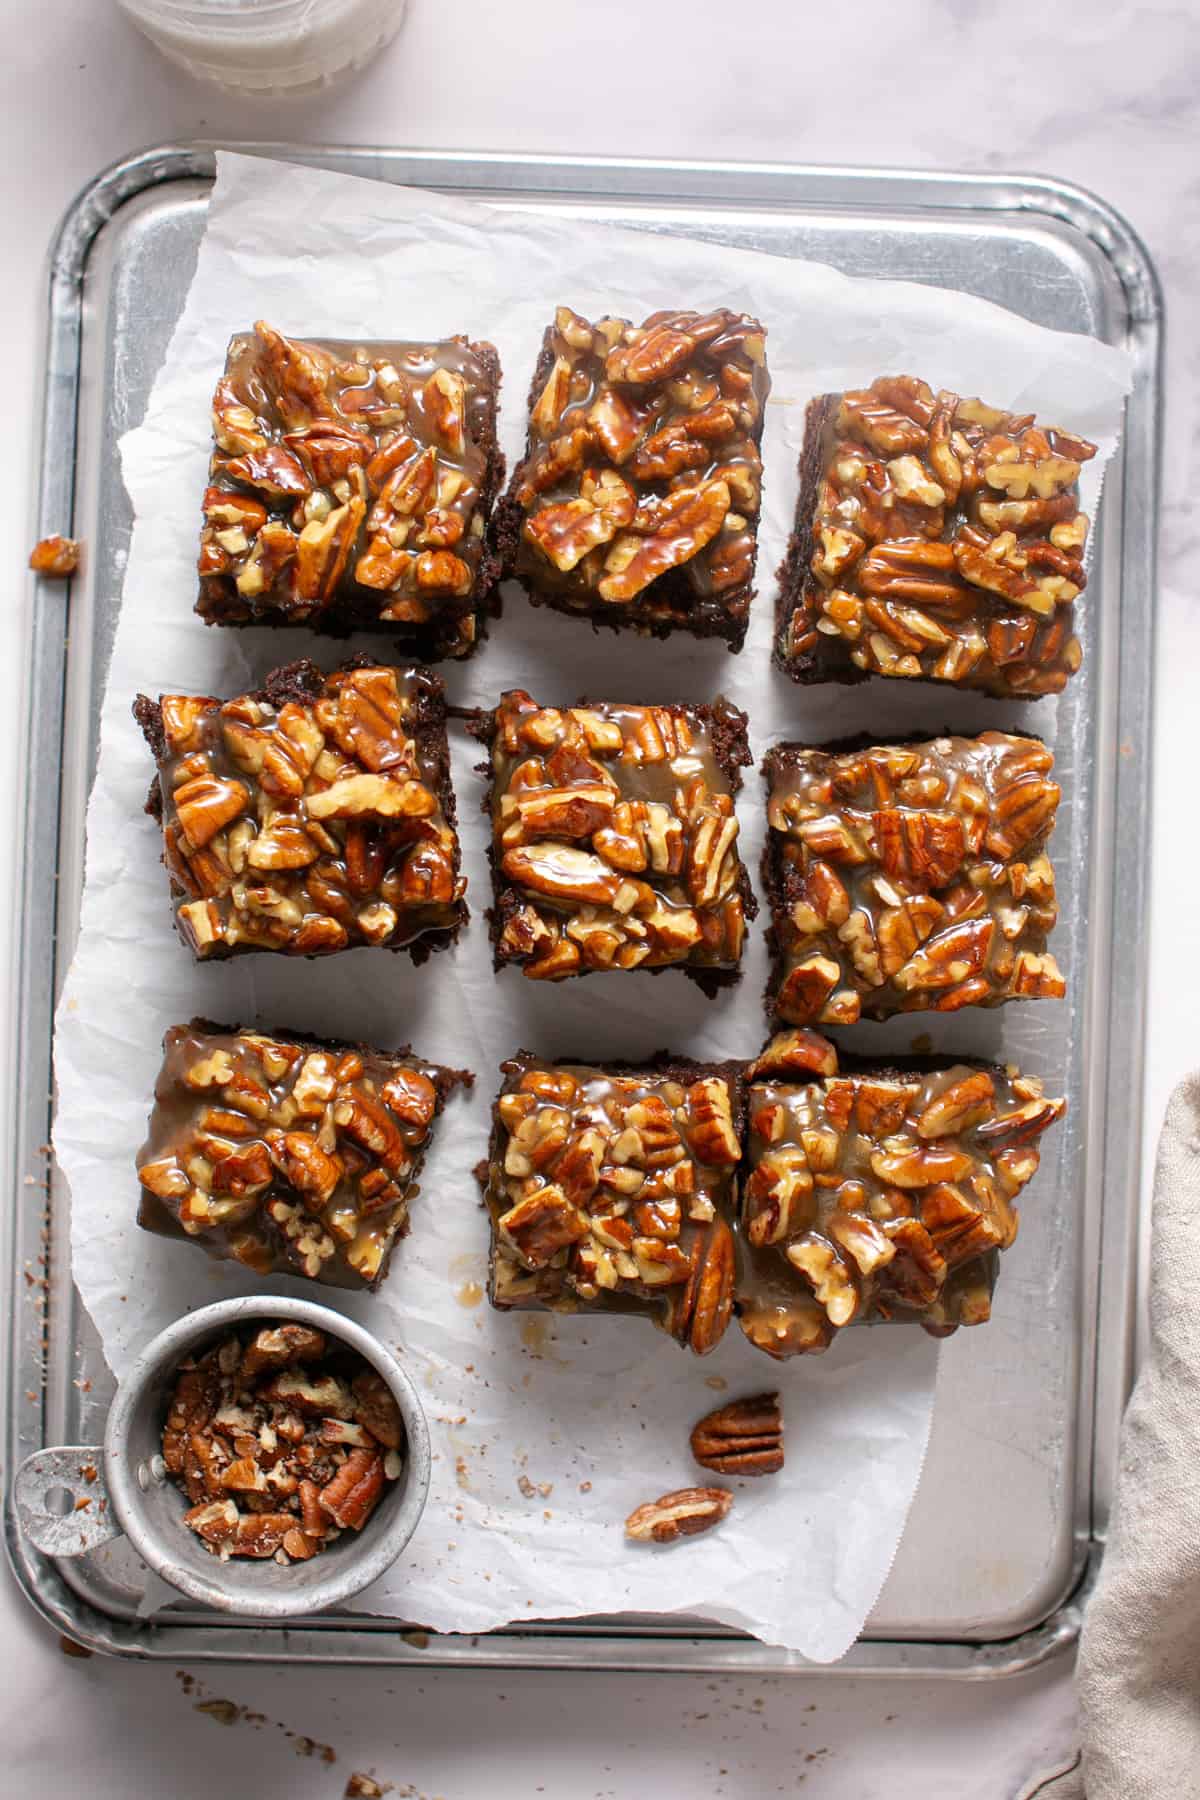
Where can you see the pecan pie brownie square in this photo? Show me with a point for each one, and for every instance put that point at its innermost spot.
(615, 839)
(613, 1189)
(351, 487)
(936, 538)
(909, 877)
(285, 1153)
(878, 1193)
(638, 499)
(311, 816)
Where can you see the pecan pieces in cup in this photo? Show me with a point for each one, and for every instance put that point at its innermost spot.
(281, 1442)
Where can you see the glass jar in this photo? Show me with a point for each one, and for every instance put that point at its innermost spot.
(268, 47)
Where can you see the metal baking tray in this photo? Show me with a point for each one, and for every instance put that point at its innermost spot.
(1010, 1516)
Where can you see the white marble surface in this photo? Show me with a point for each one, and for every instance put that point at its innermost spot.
(1108, 97)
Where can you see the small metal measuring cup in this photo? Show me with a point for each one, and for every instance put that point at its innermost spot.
(128, 1492)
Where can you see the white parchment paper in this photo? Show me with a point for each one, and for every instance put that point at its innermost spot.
(546, 1431)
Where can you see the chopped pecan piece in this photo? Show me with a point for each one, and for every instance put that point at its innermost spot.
(542, 1224)
(214, 1522)
(57, 557)
(567, 531)
(375, 1407)
(279, 1346)
(796, 1053)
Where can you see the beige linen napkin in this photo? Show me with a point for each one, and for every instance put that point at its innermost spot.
(1139, 1656)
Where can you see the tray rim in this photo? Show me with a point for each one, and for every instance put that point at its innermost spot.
(767, 184)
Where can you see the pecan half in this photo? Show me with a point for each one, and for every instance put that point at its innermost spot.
(684, 1513)
(677, 530)
(743, 1438)
(709, 1126)
(354, 1492)
(650, 355)
(703, 1313)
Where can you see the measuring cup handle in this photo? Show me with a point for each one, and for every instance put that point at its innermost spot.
(90, 1522)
